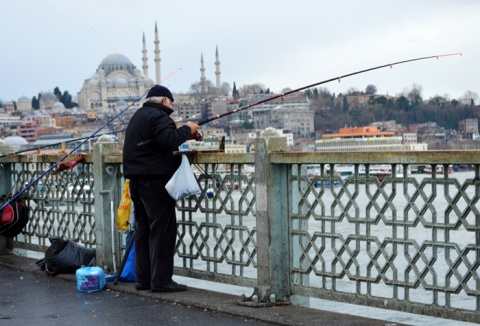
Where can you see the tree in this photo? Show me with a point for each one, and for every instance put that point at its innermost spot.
(249, 89)
(469, 98)
(235, 93)
(58, 93)
(403, 103)
(225, 89)
(371, 89)
(414, 95)
(353, 91)
(67, 100)
(35, 103)
(345, 104)
(196, 90)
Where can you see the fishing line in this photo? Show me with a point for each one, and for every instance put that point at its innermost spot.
(281, 95)
(37, 148)
(18, 194)
(202, 122)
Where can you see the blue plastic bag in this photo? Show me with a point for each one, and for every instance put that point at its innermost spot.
(128, 272)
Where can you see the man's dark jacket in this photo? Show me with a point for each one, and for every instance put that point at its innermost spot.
(153, 159)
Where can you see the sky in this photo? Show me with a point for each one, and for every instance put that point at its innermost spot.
(281, 44)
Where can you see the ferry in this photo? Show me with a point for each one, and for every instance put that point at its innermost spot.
(382, 171)
(440, 169)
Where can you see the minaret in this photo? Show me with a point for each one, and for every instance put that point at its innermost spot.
(157, 56)
(203, 80)
(217, 70)
(144, 59)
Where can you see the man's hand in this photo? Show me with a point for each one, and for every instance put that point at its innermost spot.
(193, 127)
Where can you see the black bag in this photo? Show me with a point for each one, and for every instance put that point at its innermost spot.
(13, 217)
(65, 257)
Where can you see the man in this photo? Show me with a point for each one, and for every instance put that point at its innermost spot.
(148, 161)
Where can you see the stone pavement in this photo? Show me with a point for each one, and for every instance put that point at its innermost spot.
(29, 295)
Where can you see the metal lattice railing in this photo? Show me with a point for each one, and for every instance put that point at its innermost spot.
(61, 205)
(406, 241)
(217, 236)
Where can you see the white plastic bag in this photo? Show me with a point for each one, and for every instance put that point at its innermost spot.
(183, 183)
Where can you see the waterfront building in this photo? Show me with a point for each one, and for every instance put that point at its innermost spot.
(365, 139)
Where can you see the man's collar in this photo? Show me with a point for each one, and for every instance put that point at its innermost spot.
(162, 107)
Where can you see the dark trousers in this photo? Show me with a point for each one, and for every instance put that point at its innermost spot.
(155, 232)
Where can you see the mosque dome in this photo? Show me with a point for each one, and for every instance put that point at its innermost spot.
(109, 82)
(58, 106)
(121, 104)
(116, 61)
(23, 98)
(48, 96)
(132, 82)
(120, 82)
(15, 141)
(93, 82)
(148, 82)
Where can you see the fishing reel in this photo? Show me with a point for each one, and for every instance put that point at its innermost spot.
(197, 136)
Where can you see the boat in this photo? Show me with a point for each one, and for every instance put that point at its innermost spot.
(382, 171)
(439, 169)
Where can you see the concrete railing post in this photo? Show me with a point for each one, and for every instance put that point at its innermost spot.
(273, 267)
(106, 193)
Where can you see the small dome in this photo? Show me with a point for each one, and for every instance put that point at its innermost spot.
(120, 82)
(121, 103)
(109, 82)
(48, 96)
(93, 82)
(132, 82)
(58, 106)
(15, 141)
(23, 99)
(148, 82)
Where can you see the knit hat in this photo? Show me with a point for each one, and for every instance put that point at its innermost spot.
(159, 90)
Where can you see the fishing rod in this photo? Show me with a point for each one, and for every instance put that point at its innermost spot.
(281, 95)
(197, 136)
(18, 194)
(73, 140)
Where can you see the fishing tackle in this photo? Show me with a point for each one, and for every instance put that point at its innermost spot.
(281, 95)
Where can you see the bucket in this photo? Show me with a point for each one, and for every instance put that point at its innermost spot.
(90, 279)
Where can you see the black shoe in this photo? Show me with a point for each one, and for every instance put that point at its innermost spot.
(140, 286)
(171, 287)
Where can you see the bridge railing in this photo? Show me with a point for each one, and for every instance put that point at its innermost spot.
(352, 227)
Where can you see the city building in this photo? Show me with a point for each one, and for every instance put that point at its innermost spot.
(365, 139)
(28, 130)
(468, 128)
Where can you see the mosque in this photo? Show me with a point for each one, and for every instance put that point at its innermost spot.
(117, 82)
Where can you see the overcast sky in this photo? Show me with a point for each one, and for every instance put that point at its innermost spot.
(49, 43)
